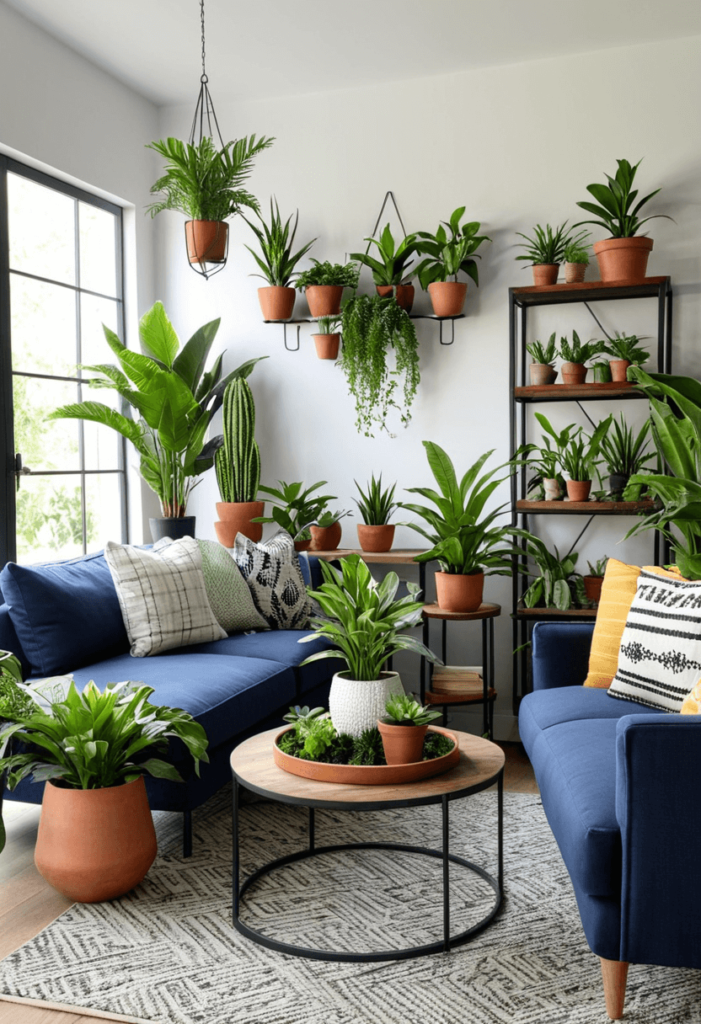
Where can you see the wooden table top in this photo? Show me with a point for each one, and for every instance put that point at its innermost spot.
(485, 611)
(252, 764)
(397, 556)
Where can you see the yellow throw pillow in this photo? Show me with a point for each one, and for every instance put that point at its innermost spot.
(692, 704)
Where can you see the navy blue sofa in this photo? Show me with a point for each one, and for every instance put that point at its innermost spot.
(68, 617)
(617, 781)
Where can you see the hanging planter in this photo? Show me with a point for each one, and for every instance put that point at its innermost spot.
(207, 241)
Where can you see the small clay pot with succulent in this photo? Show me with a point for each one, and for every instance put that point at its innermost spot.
(575, 356)
(542, 369)
(404, 728)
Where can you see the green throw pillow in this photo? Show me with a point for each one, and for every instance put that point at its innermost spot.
(227, 590)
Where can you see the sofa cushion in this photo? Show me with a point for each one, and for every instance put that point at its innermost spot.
(66, 614)
(227, 591)
(272, 571)
(544, 709)
(617, 592)
(225, 694)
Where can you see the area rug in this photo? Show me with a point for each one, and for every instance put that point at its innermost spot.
(167, 952)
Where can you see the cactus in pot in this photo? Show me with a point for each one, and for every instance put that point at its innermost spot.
(237, 465)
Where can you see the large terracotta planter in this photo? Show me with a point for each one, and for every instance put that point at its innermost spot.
(326, 538)
(403, 294)
(235, 517)
(448, 297)
(356, 704)
(206, 240)
(402, 744)
(619, 370)
(578, 490)
(542, 373)
(623, 259)
(174, 527)
(573, 373)
(545, 274)
(327, 345)
(456, 592)
(575, 272)
(324, 299)
(592, 588)
(375, 538)
(95, 844)
(276, 303)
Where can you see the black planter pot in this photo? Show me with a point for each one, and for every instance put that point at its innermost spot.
(618, 483)
(173, 527)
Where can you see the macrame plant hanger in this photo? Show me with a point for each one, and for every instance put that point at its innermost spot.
(205, 124)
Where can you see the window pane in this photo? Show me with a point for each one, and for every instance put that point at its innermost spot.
(104, 509)
(94, 313)
(45, 444)
(98, 249)
(43, 327)
(42, 230)
(101, 443)
(49, 519)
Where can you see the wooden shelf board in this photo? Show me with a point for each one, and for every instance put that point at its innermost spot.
(397, 556)
(586, 291)
(555, 613)
(577, 393)
(485, 611)
(459, 698)
(584, 508)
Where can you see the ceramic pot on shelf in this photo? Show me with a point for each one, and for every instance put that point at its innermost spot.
(327, 345)
(578, 490)
(276, 303)
(552, 489)
(573, 373)
(545, 274)
(619, 370)
(375, 538)
(601, 373)
(356, 704)
(623, 259)
(206, 240)
(403, 294)
(324, 300)
(402, 744)
(448, 297)
(326, 538)
(459, 592)
(235, 517)
(542, 373)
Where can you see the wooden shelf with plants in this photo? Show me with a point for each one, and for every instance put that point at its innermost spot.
(583, 508)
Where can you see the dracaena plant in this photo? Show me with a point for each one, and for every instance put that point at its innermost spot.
(598, 568)
(277, 261)
(556, 584)
(375, 503)
(295, 507)
(393, 262)
(543, 354)
(365, 621)
(449, 253)
(578, 352)
(174, 399)
(627, 347)
(548, 245)
(617, 205)
(582, 454)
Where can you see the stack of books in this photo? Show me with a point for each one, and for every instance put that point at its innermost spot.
(457, 679)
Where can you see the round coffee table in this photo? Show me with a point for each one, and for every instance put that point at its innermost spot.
(481, 765)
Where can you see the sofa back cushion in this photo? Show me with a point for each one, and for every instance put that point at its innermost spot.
(65, 614)
(9, 641)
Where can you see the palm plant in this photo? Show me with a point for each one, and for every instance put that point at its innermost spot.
(627, 347)
(293, 508)
(576, 352)
(276, 239)
(623, 450)
(375, 504)
(390, 269)
(448, 254)
(543, 354)
(557, 584)
(548, 245)
(614, 207)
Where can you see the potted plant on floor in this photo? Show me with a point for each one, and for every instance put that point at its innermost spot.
(545, 251)
(96, 839)
(389, 271)
(575, 356)
(622, 257)
(557, 584)
(466, 543)
(175, 400)
(237, 465)
(327, 341)
(294, 508)
(372, 328)
(449, 253)
(277, 262)
(625, 453)
(326, 530)
(206, 184)
(323, 286)
(580, 459)
(593, 582)
(375, 505)
(403, 729)
(627, 352)
(542, 369)
(576, 260)
(364, 625)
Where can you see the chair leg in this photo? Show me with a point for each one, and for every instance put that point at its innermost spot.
(615, 975)
(187, 833)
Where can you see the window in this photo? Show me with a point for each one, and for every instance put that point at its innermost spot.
(60, 280)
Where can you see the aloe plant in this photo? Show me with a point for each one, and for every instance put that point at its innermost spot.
(237, 462)
(278, 262)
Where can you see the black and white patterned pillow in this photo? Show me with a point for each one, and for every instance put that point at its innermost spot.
(272, 572)
(660, 657)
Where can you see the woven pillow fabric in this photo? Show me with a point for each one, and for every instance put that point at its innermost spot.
(162, 595)
(660, 657)
(272, 572)
(229, 596)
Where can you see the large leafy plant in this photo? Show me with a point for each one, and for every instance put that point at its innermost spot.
(450, 252)
(294, 508)
(276, 240)
(203, 182)
(392, 264)
(463, 539)
(174, 398)
(364, 620)
(616, 209)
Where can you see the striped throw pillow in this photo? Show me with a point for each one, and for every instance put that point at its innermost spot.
(660, 657)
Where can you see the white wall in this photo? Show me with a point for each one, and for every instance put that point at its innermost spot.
(517, 145)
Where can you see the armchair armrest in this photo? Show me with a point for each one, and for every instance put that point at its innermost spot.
(658, 764)
(560, 653)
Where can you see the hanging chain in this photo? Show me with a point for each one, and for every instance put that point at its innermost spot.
(204, 71)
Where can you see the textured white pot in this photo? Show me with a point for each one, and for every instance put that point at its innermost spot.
(356, 704)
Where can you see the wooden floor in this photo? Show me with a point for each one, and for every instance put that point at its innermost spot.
(28, 903)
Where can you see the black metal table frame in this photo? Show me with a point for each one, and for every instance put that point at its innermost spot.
(487, 671)
(443, 945)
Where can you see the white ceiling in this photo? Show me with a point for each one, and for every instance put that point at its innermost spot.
(258, 48)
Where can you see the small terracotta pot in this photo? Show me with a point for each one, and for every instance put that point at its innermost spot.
(327, 345)
(403, 744)
(545, 274)
(206, 240)
(623, 259)
(578, 490)
(542, 373)
(235, 517)
(324, 299)
(592, 588)
(618, 483)
(552, 489)
(459, 593)
(303, 545)
(326, 538)
(575, 272)
(448, 297)
(375, 538)
(573, 373)
(276, 303)
(95, 844)
(619, 370)
(403, 294)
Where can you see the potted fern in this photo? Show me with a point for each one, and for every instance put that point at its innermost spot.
(323, 286)
(542, 369)
(575, 355)
(627, 352)
(375, 505)
(389, 270)
(277, 262)
(449, 253)
(237, 465)
(328, 340)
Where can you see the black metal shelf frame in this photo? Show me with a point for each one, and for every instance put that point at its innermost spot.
(413, 316)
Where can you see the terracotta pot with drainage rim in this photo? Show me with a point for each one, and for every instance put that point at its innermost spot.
(623, 259)
(573, 373)
(545, 274)
(276, 303)
(448, 297)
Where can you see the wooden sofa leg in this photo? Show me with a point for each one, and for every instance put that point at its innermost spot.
(615, 975)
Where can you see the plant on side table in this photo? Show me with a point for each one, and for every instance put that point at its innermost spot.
(327, 341)
(403, 729)
(237, 465)
(294, 508)
(625, 453)
(323, 286)
(448, 255)
(277, 262)
(579, 461)
(593, 582)
(389, 270)
(575, 356)
(375, 505)
(627, 352)
(542, 369)
(545, 251)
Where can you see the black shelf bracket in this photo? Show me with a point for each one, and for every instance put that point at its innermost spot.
(290, 323)
(441, 320)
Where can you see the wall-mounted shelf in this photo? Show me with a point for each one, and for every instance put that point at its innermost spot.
(576, 393)
(441, 320)
(583, 508)
(295, 323)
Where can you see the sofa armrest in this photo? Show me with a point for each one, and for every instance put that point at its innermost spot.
(658, 762)
(560, 653)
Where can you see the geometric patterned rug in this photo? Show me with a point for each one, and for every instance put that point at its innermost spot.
(167, 952)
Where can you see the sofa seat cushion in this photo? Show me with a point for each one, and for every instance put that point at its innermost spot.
(225, 694)
(544, 709)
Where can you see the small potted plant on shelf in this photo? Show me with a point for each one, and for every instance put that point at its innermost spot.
(389, 271)
(323, 286)
(449, 253)
(545, 251)
(328, 339)
(576, 260)
(557, 584)
(575, 355)
(542, 369)
(365, 624)
(546, 461)
(467, 544)
(627, 352)
(237, 465)
(579, 461)
(622, 257)
(375, 505)
(403, 729)
(625, 454)
(601, 372)
(593, 582)
(294, 508)
(277, 262)
(326, 530)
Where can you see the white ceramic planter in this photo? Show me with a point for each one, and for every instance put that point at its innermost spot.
(356, 704)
